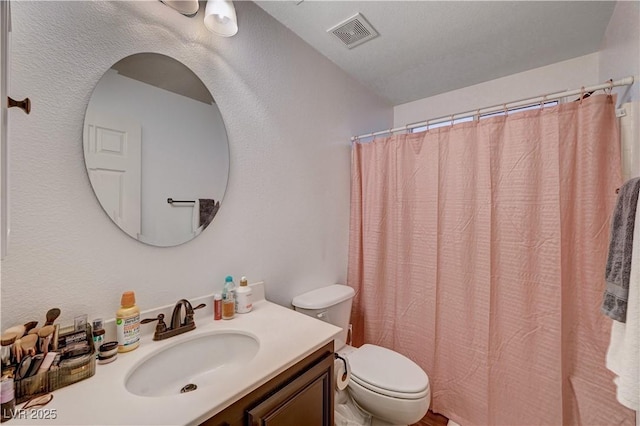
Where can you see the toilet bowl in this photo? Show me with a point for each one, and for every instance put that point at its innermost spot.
(386, 385)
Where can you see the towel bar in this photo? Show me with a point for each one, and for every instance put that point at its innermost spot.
(171, 201)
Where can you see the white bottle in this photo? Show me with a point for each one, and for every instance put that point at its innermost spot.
(244, 302)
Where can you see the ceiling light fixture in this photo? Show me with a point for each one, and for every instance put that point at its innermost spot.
(186, 7)
(220, 18)
(219, 15)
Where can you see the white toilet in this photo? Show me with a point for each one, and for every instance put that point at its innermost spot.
(387, 385)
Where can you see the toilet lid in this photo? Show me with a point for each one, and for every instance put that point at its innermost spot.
(324, 297)
(386, 369)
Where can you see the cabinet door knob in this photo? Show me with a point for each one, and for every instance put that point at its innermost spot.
(24, 104)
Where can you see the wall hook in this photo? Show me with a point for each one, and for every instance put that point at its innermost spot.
(24, 104)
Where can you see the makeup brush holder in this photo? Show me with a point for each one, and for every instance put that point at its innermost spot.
(69, 371)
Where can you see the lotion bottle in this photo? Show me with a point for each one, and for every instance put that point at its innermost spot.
(243, 297)
(128, 323)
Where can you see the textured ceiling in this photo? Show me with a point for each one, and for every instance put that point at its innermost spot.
(430, 47)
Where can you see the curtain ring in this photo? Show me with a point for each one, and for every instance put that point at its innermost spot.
(581, 94)
(478, 115)
(452, 119)
(544, 100)
(609, 89)
(506, 111)
(427, 126)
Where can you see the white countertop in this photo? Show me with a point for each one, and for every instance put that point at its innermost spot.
(285, 337)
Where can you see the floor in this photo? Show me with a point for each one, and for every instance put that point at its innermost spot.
(432, 419)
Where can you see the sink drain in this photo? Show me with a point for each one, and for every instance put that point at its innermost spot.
(188, 388)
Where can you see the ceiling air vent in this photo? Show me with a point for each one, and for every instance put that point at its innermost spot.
(354, 31)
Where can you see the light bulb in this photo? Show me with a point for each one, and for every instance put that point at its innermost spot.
(220, 18)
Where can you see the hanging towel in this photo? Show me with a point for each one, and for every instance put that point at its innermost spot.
(208, 210)
(618, 269)
(623, 355)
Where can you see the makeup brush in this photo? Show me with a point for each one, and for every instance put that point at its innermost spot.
(52, 315)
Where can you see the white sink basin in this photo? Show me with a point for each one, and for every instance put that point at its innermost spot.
(204, 360)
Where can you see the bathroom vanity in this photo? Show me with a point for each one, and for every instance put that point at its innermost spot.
(268, 367)
(304, 391)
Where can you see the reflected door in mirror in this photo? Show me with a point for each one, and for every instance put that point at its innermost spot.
(113, 159)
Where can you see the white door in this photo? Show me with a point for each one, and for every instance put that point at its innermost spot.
(113, 156)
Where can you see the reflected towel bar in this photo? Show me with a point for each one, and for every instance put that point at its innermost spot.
(171, 201)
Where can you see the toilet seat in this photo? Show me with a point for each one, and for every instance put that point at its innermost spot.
(388, 373)
(390, 393)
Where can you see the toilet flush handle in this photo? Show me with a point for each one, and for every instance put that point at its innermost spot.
(322, 316)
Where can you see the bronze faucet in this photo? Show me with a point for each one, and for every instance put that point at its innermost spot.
(178, 326)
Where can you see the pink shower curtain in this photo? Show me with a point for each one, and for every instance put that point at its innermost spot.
(478, 251)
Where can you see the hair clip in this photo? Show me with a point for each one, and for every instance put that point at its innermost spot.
(38, 401)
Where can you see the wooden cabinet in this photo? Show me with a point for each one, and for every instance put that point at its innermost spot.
(301, 395)
(303, 401)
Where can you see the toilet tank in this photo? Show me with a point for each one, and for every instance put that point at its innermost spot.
(331, 304)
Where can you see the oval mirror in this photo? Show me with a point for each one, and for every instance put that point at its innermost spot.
(156, 149)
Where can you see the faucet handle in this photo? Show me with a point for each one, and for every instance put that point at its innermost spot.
(161, 327)
(188, 319)
(159, 318)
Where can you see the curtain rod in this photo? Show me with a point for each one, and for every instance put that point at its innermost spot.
(514, 104)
